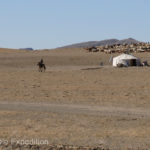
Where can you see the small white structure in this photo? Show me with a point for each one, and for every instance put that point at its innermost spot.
(126, 60)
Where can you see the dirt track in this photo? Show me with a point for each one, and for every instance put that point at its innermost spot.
(77, 124)
(75, 109)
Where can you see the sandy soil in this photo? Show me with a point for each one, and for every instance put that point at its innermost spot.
(75, 101)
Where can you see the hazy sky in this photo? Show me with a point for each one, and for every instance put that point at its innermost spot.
(53, 23)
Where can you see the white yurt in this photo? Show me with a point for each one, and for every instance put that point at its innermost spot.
(126, 60)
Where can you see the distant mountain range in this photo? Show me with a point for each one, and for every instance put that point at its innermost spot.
(101, 43)
(28, 48)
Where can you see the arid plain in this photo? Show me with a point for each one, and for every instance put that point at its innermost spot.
(76, 101)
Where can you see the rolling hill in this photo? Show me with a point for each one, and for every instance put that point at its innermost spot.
(101, 43)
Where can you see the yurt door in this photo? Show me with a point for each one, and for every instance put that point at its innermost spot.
(133, 62)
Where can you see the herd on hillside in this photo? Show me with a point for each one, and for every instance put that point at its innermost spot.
(121, 48)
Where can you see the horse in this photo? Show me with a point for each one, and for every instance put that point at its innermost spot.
(42, 67)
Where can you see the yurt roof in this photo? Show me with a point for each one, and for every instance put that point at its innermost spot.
(125, 56)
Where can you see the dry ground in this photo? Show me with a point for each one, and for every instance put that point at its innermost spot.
(75, 101)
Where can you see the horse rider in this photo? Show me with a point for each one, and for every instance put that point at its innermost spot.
(41, 65)
(41, 61)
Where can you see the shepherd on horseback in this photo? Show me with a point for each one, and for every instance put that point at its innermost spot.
(41, 65)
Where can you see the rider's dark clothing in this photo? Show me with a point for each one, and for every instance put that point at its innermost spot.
(41, 62)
